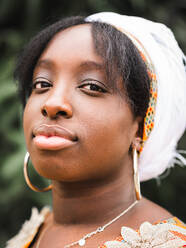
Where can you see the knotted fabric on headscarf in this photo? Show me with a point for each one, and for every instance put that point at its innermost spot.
(159, 151)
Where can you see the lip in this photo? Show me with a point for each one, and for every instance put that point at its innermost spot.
(53, 137)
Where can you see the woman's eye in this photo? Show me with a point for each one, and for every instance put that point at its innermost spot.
(93, 87)
(41, 85)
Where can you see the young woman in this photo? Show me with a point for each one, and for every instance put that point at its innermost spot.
(99, 94)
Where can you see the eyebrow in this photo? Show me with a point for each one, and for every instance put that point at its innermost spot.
(85, 65)
(91, 65)
(45, 63)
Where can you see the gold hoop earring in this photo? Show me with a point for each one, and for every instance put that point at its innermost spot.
(30, 185)
(136, 174)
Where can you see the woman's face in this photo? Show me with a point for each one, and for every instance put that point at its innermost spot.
(76, 127)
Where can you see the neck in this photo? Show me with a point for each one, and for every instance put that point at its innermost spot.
(92, 203)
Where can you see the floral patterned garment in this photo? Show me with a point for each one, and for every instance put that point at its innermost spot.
(170, 233)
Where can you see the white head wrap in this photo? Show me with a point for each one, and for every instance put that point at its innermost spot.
(159, 152)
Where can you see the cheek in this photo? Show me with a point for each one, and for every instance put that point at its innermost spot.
(29, 116)
(110, 126)
(26, 122)
(110, 137)
(107, 139)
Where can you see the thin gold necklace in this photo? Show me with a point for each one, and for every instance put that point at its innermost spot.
(82, 241)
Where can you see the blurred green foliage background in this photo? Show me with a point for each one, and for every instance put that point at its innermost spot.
(19, 21)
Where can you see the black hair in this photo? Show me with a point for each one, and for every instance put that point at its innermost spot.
(122, 61)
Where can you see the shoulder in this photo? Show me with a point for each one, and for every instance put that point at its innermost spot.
(29, 229)
(151, 212)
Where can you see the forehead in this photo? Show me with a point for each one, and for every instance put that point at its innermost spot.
(72, 42)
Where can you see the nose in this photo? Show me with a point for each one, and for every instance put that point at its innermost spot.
(55, 106)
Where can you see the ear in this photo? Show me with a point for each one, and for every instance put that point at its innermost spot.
(137, 140)
(137, 143)
(138, 126)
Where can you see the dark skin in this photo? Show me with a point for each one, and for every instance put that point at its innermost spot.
(93, 178)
